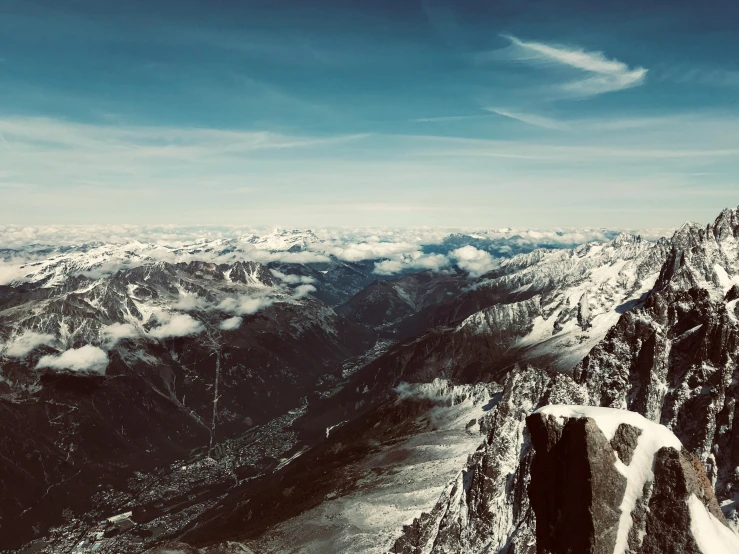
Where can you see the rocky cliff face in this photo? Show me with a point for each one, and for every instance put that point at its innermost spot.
(607, 480)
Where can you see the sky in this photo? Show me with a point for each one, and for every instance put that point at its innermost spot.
(355, 113)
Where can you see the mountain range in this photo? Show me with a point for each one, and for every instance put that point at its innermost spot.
(290, 392)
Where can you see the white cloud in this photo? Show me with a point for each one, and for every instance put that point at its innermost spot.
(182, 244)
(179, 325)
(231, 323)
(566, 237)
(415, 260)
(474, 261)
(265, 256)
(23, 344)
(15, 236)
(244, 304)
(188, 302)
(87, 358)
(114, 146)
(603, 74)
(174, 243)
(10, 273)
(389, 267)
(292, 279)
(303, 290)
(393, 250)
(356, 252)
(116, 332)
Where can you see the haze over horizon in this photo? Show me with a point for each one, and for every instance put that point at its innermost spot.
(430, 113)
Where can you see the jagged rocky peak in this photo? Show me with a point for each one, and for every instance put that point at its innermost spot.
(706, 257)
(689, 234)
(156, 274)
(248, 272)
(201, 268)
(727, 224)
(625, 238)
(610, 481)
(485, 508)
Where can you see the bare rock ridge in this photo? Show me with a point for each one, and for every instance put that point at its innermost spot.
(637, 491)
(575, 487)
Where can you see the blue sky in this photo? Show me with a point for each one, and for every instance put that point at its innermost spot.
(467, 113)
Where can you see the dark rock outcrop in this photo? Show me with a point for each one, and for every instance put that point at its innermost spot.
(624, 441)
(678, 475)
(577, 491)
(575, 488)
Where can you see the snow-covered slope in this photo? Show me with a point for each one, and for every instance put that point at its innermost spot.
(152, 301)
(611, 277)
(395, 483)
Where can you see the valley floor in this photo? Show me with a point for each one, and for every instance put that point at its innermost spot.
(398, 483)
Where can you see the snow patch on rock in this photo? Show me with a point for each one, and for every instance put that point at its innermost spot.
(710, 534)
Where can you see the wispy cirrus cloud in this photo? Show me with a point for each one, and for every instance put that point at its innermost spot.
(531, 119)
(601, 74)
(46, 153)
(702, 75)
(151, 141)
(447, 118)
